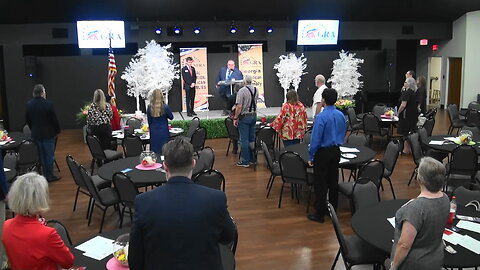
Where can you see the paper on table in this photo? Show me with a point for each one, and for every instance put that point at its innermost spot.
(117, 132)
(343, 160)
(4, 142)
(470, 243)
(450, 138)
(348, 150)
(392, 221)
(6, 169)
(468, 225)
(97, 248)
(452, 237)
(436, 142)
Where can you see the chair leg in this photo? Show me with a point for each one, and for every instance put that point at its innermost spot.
(336, 259)
(391, 187)
(343, 177)
(92, 165)
(89, 205)
(56, 164)
(309, 197)
(280, 199)
(228, 147)
(76, 198)
(122, 215)
(271, 184)
(91, 213)
(411, 177)
(269, 181)
(103, 219)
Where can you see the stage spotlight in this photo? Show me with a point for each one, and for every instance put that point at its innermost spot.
(233, 29)
(176, 30)
(251, 29)
(269, 29)
(158, 30)
(196, 30)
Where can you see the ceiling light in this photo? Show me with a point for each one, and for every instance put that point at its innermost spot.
(158, 30)
(251, 29)
(176, 30)
(196, 30)
(269, 29)
(233, 29)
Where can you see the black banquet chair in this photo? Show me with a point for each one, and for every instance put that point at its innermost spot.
(98, 154)
(233, 134)
(273, 167)
(462, 167)
(27, 157)
(61, 230)
(198, 139)
(134, 123)
(417, 153)
(454, 117)
(211, 178)
(127, 191)
(389, 161)
(132, 146)
(354, 250)
(372, 126)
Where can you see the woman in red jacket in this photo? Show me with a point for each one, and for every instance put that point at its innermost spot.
(30, 244)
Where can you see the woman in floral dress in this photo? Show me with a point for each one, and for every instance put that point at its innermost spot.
(291, 122)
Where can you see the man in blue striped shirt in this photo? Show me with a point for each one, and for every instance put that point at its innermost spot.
(324, 153)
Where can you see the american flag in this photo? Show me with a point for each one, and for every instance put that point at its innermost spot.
(112, 71)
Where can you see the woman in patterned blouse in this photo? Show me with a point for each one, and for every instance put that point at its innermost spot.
(291, 122)
(98, 119)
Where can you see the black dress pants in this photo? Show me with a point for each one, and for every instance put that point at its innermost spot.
(190, 99)
(325, 170)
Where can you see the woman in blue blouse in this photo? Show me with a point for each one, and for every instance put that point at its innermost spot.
(158, 114)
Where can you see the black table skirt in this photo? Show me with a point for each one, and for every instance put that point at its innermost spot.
(371, 225)
(366, 154)
(450, 146)
(228, 259)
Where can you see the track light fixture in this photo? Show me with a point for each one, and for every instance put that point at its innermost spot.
(196, 30)
(177, 30)
(269, 29)
(233, 29)
(158, 30)
(251, 29)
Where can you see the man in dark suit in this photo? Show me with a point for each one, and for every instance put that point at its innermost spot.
(179, 224)
(228, 73)
(43, 123)
(189, 80)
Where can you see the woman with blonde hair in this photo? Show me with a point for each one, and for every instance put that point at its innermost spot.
(98, 119)
(291, 122)
(158, 114)
(29, 243)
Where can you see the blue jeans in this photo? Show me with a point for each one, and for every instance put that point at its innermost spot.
(290, 142)
(46, 150)
(246, 129)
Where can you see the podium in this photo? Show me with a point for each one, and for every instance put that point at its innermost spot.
(231, 83)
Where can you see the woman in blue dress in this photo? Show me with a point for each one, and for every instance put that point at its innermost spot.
(158, 114)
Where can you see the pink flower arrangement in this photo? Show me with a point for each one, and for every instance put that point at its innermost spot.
(344, 104)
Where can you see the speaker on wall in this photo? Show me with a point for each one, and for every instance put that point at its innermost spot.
(30, 65)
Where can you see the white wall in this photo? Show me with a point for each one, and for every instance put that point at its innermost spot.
(471, 81)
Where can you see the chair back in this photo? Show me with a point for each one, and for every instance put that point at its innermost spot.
(211, 178)
(371, 124)
(475, 130)
(267, 135)
(10, 162)
(429, 125)
(432, 113)
(26, 131)
(232, 130)
(198, 139)
(415, 146)
(364, 193)
(474, 106)
(132, 146)
(207, 157)
(61, 230)
(193, 127)
(373, 170)
(464, 161)
(352, 117)
(473, 118)
(267, 155)
(126, 189)
(391, 155)
(357, 140)
(464, 196)
(423, 137)
(27, 156)
(134, 123)
(95, 147)
(92, 189)
(338, 231)
(453, 114)
(308, 137)
(379, 109)
(293, 168)
(75, 171)
(233, 244)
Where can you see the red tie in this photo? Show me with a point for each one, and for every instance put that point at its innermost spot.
(190, 70)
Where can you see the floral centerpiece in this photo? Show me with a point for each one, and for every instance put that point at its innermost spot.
(82, 114)
(343, 104)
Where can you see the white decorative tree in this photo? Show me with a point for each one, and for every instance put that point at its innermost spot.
(345, 75)
(151, 68)
(290, 70)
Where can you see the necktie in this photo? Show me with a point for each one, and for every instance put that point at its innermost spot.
(190, 70)
(229, 74)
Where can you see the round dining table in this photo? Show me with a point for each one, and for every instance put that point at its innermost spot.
(448, 146)
(17, 139)
(363, 155)
(372, 226)
(140, 177)
(226, 254)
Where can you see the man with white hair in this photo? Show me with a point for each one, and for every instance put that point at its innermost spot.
(317, 97)
(245, 119)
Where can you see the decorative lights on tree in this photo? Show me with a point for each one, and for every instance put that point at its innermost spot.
(345, 75)
(151, 68)
(290, 70)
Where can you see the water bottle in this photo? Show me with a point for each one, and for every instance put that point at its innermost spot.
(396, 110)
(453, 210)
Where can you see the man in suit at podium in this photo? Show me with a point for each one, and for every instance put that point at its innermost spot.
(189, 80)
(228, 73)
